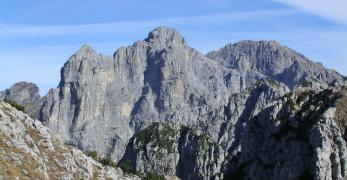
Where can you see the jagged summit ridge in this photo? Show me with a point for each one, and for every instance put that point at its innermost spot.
(270, 58)
(231, 54)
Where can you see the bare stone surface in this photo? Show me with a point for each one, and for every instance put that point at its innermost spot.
(29, 151)
(274, 60)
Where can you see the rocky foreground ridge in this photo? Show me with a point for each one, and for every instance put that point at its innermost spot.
(29, 151)
(250, 110)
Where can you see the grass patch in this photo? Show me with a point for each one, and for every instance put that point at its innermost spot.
(341, 112)
(153, 176)
(161, 135)
(93, 154)
(16, 105)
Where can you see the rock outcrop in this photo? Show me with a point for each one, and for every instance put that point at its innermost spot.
(297, 137)
(29, 151)
(27, 95)
(265, 133)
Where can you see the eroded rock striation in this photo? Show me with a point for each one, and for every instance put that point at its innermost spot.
(251, 110)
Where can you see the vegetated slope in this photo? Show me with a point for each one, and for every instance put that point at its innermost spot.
(29, 151)
(265, 133)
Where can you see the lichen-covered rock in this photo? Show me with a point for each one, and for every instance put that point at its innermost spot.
(29, 151)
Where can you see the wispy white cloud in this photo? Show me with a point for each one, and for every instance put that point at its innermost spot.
(8, 31)
(332, 9)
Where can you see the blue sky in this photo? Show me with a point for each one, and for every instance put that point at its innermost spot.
(38, 36)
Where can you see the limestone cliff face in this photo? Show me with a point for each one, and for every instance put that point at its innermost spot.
(251, 110)
(29, 151)
(157, 79)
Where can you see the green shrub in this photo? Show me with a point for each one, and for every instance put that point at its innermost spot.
(305, 83)
(93, 154)
(125, 166)
(153, 176)
(272, 82)
(107, 162)
(291, 104)
(16, 105)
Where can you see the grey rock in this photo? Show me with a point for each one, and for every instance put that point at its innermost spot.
(26, 94)
(296, 137)
(279, 62)
(156, 79)
(266, 132)
(2, 94)
(23, 92)
(199, 152)
(29, 151)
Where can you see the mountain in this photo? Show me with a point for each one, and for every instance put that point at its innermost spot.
(157, 79)
(271, 59)
(29, 151)
(251, 110)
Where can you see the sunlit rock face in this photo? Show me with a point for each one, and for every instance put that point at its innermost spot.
(157, 79)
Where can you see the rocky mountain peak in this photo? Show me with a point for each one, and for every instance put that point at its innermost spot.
(85, 52)
(271, 59)
(255, 44)
(25, 94)
(248, 54)
(23, 91)
(86, 48)
(165, 35)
